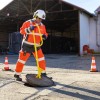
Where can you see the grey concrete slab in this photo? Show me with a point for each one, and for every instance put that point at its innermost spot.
(71, 74)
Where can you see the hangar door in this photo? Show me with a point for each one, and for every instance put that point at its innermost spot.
(63, 30)
(61, 22)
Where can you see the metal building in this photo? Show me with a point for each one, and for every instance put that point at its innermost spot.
(68, 26)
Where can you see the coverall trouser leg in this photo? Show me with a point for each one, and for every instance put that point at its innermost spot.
(21, 61)
(23, 58)
(41, 59)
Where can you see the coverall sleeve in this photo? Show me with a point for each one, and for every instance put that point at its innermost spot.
(23, 27)
(45, 32)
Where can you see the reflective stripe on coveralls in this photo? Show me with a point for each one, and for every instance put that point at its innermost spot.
(20, 63)
(40, 59)
(37, 45)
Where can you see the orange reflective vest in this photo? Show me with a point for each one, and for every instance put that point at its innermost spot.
(38, 31)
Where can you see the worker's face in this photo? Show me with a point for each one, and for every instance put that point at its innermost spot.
(38, 20)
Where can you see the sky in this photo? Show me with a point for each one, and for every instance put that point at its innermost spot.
(3, 3)
(89, 5)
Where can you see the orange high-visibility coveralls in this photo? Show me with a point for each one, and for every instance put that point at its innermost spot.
(28, 45)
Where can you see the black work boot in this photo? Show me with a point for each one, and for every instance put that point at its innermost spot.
(45, 75)
(17, 78)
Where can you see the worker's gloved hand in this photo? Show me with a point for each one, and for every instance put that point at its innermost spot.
(32, 27)
(44, 37)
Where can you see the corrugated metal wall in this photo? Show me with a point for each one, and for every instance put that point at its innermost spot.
(84, 30)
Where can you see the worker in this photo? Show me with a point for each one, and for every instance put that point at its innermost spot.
(35, 24)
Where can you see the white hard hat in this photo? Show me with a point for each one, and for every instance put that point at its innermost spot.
(40, 13)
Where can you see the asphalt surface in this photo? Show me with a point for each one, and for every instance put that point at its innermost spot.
(71, 74)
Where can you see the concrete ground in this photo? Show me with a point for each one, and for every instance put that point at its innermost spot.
(70, 73)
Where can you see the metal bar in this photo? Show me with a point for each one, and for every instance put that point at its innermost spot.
(45, 5)
(62, 11)
(25, 7)
(47, 12)
(53, 7)
(18, 8)
(37, 5)
(61, 4)
(31, 7)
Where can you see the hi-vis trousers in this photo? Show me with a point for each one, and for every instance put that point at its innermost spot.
(23, 58)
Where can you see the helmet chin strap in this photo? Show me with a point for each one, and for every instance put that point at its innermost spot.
(35, 19)
(38, 23)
